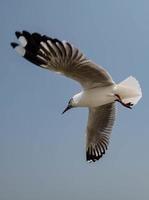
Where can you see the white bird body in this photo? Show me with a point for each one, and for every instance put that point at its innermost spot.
(129, 91)
(95, 97)
(99, 90)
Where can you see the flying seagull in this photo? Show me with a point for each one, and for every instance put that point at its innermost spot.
(99, 93)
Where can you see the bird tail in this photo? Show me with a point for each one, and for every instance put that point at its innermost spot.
(129, 90)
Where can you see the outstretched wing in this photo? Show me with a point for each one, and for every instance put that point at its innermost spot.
(100, 123)
(62, 57)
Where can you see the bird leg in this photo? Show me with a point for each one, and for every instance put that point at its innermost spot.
(127, 105)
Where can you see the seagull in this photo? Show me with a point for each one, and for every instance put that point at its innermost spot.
(99, 92)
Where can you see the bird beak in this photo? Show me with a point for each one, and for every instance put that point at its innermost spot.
(67, 108)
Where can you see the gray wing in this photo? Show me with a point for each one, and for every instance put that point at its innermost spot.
(62, 57)
(100, 123)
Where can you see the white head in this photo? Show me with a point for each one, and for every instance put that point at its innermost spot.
(73, 102)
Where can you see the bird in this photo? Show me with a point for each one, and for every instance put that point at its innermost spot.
(99, 92)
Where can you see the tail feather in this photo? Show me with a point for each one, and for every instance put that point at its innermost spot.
(130, 90)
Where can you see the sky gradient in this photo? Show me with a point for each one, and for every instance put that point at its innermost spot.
(42, 153)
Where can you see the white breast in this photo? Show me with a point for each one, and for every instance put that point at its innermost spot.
(95, 97)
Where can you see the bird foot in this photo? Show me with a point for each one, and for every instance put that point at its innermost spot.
(127, 105)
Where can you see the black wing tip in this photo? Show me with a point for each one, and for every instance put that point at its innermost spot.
(91, 157)
(18, 34)
(13, 44)
(34, 51)
(37, 36)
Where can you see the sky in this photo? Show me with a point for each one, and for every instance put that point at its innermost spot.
(42, 153)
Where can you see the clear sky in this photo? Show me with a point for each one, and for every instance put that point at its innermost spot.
(42, 154)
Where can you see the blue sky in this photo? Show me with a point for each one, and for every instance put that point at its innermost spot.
(42, 153)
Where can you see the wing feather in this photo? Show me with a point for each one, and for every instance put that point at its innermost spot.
(61, 56)
(100, 123)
